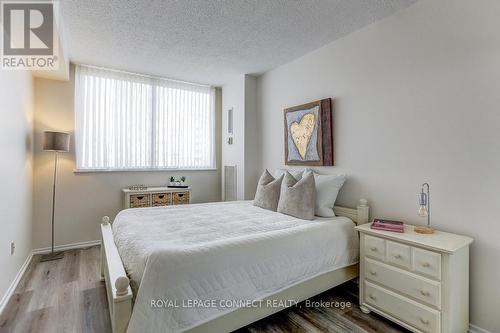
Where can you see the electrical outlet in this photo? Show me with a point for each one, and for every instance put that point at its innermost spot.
(12, 248)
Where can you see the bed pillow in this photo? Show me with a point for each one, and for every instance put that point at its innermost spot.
(268, 191)
(297, 174)
(297, 197)
(327, 189)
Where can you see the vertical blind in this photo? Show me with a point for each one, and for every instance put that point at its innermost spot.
(126, 121)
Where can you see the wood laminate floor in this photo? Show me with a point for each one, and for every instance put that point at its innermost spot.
(67, 296)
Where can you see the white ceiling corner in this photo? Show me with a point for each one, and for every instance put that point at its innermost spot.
(209, 41)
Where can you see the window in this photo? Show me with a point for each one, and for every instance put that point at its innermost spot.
(133, 122)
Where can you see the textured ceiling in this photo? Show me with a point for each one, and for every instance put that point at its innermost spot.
(209, 41)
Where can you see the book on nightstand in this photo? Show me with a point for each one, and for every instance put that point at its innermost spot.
(388, 225)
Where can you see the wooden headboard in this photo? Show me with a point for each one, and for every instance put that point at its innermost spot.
(360, 214)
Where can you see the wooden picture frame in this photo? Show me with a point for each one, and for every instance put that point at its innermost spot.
(309, 134)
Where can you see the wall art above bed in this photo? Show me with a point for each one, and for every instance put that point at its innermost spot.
(309, 134)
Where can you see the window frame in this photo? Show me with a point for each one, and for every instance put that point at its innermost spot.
(154, 85)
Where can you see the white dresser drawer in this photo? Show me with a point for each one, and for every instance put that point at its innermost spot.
(375, 247)
(398, 254)
(409, 284)
(427, 263)
(419, 316)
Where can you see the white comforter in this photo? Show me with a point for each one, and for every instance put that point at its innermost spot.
(221, 251)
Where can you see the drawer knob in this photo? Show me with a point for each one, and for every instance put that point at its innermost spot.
(373, 273)
(424, 321)
(372, 296)
(424, 293)
(398, 256)
(426, 264)
(373, 248)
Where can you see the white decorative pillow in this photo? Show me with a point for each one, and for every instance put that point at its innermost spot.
(297, 174)
(268, 191)
(297, 196)
(327, 189)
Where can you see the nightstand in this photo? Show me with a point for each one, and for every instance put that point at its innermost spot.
(156, 196)
(419, 281)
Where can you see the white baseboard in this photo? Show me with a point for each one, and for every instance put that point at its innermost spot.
(476, 329)
(13, 285)
(67, 247)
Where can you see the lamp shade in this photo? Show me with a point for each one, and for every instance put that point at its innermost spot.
(55, 141)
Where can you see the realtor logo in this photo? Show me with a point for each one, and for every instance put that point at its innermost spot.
(28, 35)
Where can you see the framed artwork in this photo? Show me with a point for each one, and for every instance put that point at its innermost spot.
(309, 134)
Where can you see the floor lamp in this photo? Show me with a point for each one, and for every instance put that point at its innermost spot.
(57, 142)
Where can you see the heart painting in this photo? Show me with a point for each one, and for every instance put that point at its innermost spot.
(309, 134)
(302, 132)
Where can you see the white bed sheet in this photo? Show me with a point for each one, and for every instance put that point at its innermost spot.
(221, 251)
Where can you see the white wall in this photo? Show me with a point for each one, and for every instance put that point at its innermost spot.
(252, 153)
(416, 99)
(233, 96)
(240, 94)
(16, 136)
(83, 198)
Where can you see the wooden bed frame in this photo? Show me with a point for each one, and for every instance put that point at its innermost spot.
(119, 292)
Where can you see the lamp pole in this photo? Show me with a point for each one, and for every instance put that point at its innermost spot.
(56, 142)
(54, 199)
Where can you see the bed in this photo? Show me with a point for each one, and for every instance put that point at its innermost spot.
(217, 267)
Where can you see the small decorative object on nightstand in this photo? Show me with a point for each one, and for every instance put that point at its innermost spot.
(138, 187)
(178, 183)
(424, 210)
(419, 281)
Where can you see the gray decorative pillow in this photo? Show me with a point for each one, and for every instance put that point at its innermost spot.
(268, 192)
(297, 197)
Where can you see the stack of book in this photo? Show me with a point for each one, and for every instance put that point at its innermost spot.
(388, 225)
